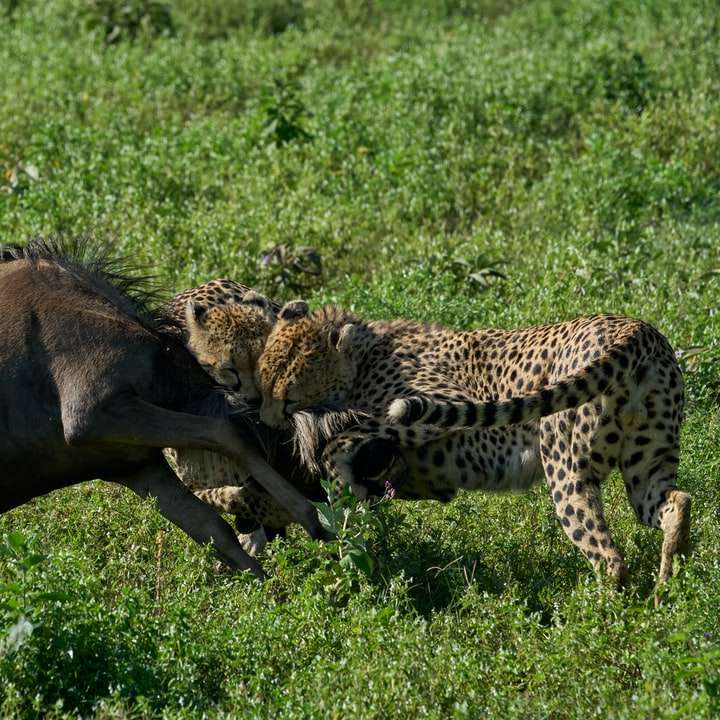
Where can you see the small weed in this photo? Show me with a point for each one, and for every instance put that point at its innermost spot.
(475, 271)
(351, 520)
(297, 269)
(341, 567)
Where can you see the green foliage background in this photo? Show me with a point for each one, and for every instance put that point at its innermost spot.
(474, 163)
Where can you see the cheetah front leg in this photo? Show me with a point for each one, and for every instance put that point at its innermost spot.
(576, 495)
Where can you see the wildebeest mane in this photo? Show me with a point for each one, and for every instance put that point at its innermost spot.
(121, 284)
(115, 279)
(314, 427)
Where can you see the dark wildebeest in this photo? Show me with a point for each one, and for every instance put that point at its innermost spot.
(92, 387)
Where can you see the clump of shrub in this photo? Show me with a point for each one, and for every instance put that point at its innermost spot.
(336, 570)
(621, 76)
(285, 113)
(127, 19)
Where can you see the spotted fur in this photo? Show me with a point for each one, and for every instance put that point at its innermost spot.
(214, 293)
(225, 324)
(603, 375)
(493, 409)
(227, 339)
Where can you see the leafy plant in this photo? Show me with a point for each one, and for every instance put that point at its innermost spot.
(19, 178)
(9, 7)
(285, 114)
(351, 520)
(626, 79)
(299, 269)
(355, 524)
(477, 270)
(216, 19)
(690, 357)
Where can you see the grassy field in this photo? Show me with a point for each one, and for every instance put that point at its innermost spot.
(474, 163)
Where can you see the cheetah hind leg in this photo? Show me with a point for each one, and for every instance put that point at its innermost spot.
(675, 525)
(659, 504)
(674, 521)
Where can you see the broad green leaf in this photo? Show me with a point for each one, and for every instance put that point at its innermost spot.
(10, 587)
(16, 540)
(362, 561)
(326, 516)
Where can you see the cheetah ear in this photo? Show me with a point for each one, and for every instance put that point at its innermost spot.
(195, 316)
(294, 310)
(254, 298)
(341, 338)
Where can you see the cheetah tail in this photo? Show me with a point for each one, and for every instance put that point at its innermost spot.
(590, 382)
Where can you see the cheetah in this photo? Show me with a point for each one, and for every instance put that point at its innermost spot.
(495, 410)
(227, 340)
(224, 324)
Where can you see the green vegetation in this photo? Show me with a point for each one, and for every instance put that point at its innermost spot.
(475, 163)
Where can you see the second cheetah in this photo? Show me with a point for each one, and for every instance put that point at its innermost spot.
(492, 410)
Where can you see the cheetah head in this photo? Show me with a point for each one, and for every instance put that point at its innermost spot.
(307, 361)
(227, 340)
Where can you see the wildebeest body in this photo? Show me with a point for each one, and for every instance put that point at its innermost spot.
(91, 387)
(41, 399)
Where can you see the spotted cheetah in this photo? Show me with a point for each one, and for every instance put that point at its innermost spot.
(227, 340)
(492, 409)
(224, 324)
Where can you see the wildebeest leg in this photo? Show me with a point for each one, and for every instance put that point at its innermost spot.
(132, 421)
(190, 514)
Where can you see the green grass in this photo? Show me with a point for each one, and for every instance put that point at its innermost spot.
(573, 147)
